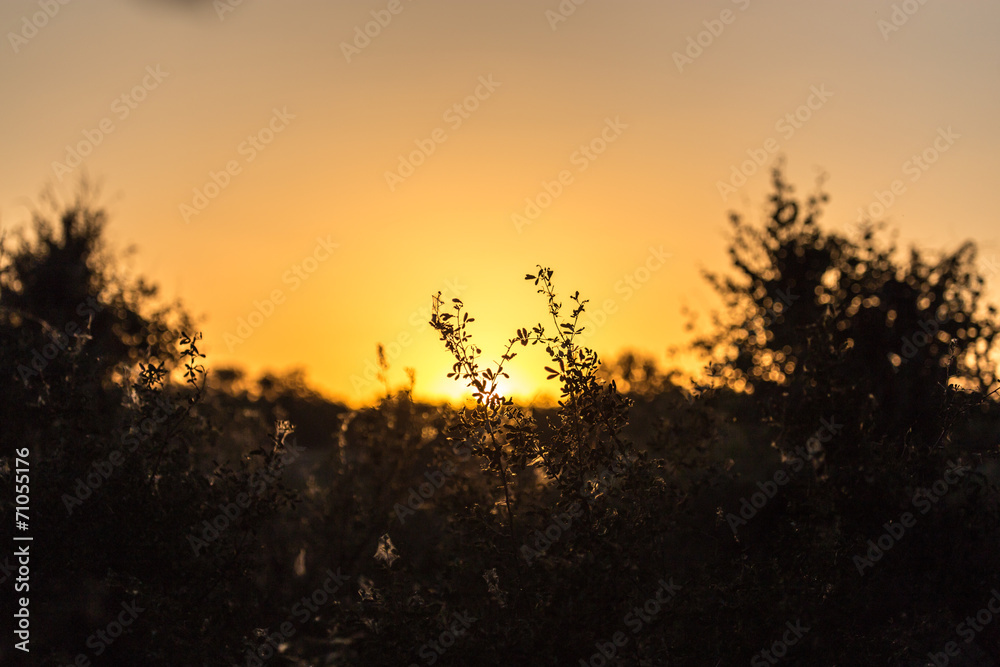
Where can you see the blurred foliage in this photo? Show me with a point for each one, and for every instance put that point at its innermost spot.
(256, 522)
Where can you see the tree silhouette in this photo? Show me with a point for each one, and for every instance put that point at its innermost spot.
(820, 316)
(899, 356)
(858, 376)
(64, 285)
(121, 469)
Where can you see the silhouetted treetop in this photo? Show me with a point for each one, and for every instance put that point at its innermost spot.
(63, 286)
(817, 311)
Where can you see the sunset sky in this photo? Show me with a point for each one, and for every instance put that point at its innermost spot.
(274, 158)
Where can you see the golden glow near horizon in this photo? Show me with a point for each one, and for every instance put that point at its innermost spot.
(305, 176)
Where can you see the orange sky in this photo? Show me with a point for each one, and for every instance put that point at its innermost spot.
(275, 159)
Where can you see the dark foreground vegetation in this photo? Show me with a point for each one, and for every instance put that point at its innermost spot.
(827, 495)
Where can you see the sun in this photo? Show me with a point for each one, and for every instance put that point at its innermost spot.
(456, 392)
(526, 382)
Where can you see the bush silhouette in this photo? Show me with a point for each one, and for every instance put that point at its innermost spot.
(902, 356)
(760, 514)
(120, 461)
